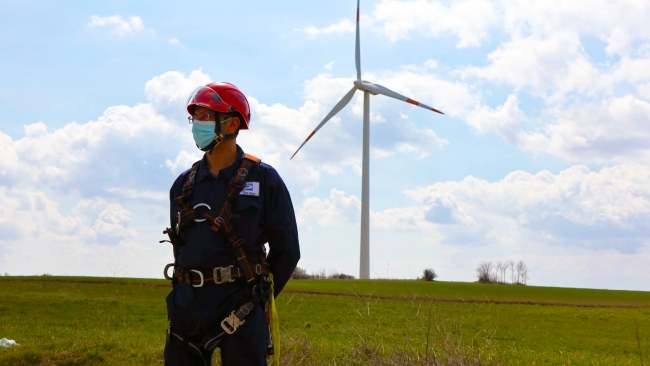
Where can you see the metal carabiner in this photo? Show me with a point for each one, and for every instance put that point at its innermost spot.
(199, 205)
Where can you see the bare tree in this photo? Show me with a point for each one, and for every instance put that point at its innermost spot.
(522, 273)
(509, 264)
(524, 276)
(497, 271)
(484, 272)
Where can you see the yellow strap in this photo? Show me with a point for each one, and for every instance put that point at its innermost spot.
(275, 326)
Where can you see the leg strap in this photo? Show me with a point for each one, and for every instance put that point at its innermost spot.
(228, 326)
(184, 340)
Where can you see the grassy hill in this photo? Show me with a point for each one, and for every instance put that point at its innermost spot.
(108, 321)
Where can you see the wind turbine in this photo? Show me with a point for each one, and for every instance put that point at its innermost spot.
(367, 88)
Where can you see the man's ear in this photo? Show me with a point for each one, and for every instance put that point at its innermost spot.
(234, 125)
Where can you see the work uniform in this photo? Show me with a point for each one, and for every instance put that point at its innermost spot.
(263, 213)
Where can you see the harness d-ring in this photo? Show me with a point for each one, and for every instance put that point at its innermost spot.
(199, 205)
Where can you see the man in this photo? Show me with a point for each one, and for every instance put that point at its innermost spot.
(223, 210)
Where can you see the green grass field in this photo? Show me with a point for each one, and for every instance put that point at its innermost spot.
(108, 321)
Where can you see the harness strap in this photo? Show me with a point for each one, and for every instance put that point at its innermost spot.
(223, 222)
(216, 275)
(229, 325)
(186, 215)
(189, 345)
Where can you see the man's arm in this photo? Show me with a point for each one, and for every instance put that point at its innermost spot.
(284, 249)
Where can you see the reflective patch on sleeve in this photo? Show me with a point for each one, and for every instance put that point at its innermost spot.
(251, 189)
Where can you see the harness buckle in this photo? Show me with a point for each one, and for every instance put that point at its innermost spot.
(200, 275)
(222, 275)
(231, 323)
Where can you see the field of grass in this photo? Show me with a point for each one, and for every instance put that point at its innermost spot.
(108, 321)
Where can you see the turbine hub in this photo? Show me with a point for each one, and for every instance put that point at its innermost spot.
(359, 85)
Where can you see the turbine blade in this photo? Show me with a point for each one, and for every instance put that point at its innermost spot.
(342, 103)
(378, 89)
(357, 55)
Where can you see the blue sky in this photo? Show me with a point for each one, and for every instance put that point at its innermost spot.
(542, 155)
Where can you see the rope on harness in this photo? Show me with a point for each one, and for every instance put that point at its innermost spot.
(274, 325)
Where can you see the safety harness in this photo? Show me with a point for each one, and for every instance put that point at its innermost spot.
(255, 271)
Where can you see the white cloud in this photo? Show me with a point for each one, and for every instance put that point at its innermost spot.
(342, 27)
(505, 120)
(335, 210)
(548, 67)
(87, 157)
(615, 130)
(617, 23)
(183, 161)
(172, 88)
(118, 25)
(605, 209)
(469, 20)
(174, 41)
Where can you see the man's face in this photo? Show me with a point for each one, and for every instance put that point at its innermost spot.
(229, 123)
(204, 114)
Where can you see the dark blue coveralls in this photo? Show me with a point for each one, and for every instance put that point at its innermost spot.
(267, 217)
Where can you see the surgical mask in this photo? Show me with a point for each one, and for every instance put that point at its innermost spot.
(203, 133)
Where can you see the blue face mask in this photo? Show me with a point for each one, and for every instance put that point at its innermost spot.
(203, 133)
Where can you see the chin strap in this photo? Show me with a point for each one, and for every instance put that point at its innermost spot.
(219, 136)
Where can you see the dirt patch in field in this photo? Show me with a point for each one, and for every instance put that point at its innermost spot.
(468, 301)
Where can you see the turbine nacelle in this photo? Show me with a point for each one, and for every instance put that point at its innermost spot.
(360, 85)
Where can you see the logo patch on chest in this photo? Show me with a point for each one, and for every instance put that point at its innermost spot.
(251, 189)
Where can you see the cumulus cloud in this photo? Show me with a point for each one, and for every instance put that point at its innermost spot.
(469, 20)
(91, 221)
(344, 26)
(548, 67)
(173, 88)
(505, 120)
(86, 157)
(335, 210)
(611, 131)
(606, 208)
(117, 25)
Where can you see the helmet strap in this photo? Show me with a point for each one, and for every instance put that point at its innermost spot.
(219, 135)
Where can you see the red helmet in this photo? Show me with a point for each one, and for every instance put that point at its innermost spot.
(221, 97)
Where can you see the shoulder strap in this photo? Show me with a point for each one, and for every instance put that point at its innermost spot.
(223, 223)
(188, 187)
(238, 182)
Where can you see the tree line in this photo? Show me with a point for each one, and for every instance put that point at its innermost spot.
(489, 272)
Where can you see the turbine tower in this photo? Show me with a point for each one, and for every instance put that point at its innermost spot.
(367, 88)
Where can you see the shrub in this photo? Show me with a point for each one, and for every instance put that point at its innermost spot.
(300, 274)
(429, 275)
(341, 276)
